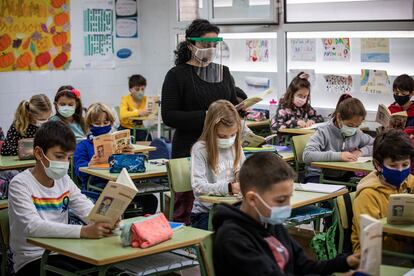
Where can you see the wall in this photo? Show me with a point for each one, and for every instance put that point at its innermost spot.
(105, 85)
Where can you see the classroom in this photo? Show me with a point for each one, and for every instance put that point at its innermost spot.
(207, 137)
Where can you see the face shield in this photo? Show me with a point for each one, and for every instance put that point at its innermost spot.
(207, 53)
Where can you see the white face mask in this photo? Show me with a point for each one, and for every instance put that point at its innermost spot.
(278, 214)
(348, 131)
(39, 123)
(226, 143)
(66, 110)
(56, 169)
(299, 102)
(205, 55)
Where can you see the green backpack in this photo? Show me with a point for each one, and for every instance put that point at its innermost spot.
(323, 244)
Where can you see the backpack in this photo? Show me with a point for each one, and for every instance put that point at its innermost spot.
(163, 150)
(5, 178)
(323, 244)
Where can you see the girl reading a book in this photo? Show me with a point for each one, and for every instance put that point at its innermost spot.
(294, 109)
(100, 120)
(69, 110)
(216, 159)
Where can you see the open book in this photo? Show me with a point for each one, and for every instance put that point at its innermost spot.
(370, 239)
(363, 159)
(317, 125)
(384, 117)
(108, 144)
(401, 209)
(152, 106)
(254, 100)
(318, 188)
(252, 140)
(114, 199)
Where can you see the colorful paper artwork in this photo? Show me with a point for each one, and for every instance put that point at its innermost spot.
(338, 84)
(303, 49)
(257, 50)
(34, 35)
(336, 49)
(374, 81)
(375, 50)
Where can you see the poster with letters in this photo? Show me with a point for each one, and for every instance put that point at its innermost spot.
(336, 49)
(375, 50)
(338, 84)
(375, 81)
(303, 49)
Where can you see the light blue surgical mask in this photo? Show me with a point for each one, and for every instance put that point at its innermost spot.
(56, 169)
(278, 214)
(66, 110)
(348, 131)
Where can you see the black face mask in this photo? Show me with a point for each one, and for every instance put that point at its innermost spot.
(401, 100)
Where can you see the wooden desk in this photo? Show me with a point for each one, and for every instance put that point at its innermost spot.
(295, 131)
(108, 251)
(345, 166)
(287, 155)
(388, 270)
(13, 162)
(142, 148)
(406, 230)
(299, 198)
(4, 204)
(152, 171)
(253, 124)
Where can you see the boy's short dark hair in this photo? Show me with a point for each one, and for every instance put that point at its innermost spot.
(136, 80)
(262, 170)
(54, 133)
(394, 144)
(403, 83)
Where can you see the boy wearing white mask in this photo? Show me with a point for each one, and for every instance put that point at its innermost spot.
(294, 109)
(69, 110)
(252, 240)
(340, 140)
(216, 159)
(39, 200)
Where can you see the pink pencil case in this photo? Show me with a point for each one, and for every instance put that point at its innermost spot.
(151, 231)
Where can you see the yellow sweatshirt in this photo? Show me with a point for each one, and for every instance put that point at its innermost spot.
(129, 108)
(372, 198)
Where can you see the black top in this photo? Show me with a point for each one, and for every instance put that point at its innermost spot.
(240, 248)
(13, 137)
(185, 100)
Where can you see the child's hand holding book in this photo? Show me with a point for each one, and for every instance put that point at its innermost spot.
(96, 230)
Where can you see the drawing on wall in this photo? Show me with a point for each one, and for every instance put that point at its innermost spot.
(375, 50)
(294, 72)
(34, 35)
(336, 49)
(338, 84)
(374, 81)
(303, 49)
(98, 34)
(126, 12)
(257, 50)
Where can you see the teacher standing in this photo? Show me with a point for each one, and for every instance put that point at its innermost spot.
(188, 90)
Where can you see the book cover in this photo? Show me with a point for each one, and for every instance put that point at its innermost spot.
(254, 100)
(371, 245)
(252, 140)
(111, 143)
(401, 209)
(384, 117)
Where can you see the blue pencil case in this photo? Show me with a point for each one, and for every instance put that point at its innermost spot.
(133, 163)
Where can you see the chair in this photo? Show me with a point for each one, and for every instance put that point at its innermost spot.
(344, 215)
(134, 129)
(179, 177)
(299, 143)
(206, 249)
(4, 239)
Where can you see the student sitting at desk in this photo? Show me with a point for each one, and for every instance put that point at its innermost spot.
(403, 89)
(294, 109)
(216, 159)
(392, 156)
(252, 240)
(39, 200)
(100, 119)
(340, 140)
(134, 105)
(29, 116)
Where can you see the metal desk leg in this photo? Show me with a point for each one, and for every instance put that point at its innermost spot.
(43, 262)
(200, 260)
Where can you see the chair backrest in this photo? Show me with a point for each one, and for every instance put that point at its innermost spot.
(179, 175)
(207, 254)
(4, 227)
(163, 149)
(345, 214)
(299, 143)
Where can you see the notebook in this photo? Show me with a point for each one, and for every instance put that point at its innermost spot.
(176, 225)
(318, 188)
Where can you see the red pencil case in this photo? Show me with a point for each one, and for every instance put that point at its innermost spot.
(154, 230)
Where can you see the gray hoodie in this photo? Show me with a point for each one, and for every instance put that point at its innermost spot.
(204, 181)
(327, 144)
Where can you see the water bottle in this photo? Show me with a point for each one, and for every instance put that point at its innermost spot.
(272, 108)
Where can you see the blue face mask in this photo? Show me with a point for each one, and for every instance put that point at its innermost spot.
(278, 214)
(99, 130)
(395, 177)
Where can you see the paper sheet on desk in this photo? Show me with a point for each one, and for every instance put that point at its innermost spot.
(363, 159)
(317, 125)
(318, 188)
